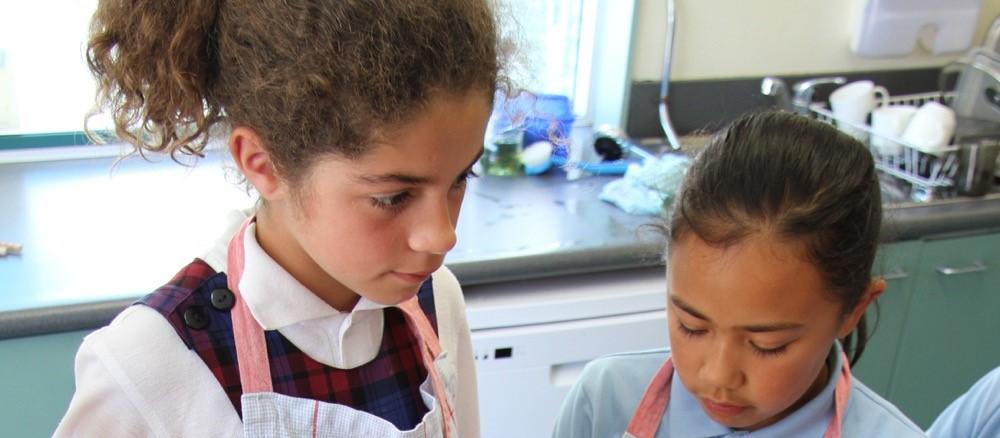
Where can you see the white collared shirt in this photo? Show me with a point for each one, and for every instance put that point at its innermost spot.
(136, 377)
(280, 302)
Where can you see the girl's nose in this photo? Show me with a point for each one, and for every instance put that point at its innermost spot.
(434, 232)
(721, 370)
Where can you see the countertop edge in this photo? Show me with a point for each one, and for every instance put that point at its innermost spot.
(899, 224)
(58, 319)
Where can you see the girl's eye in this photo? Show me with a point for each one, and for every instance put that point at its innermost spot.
(768, 352)
(391, 202)
(464, 178)
(687, 331)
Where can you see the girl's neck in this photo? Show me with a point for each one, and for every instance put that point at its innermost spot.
(273, 235)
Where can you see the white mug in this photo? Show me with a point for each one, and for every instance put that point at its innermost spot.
(888, 124)
(852, 103)
(931, 128)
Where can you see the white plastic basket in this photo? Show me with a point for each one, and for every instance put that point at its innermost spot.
(932, 173)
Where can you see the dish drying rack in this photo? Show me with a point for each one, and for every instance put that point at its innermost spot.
(930, 175)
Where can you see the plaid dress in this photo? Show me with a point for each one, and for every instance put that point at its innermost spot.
(195, 303)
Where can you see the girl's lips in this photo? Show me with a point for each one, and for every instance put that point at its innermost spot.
(722, 409)
(418, 277)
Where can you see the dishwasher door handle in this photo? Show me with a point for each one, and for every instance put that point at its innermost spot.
(977, 266)
(565, 375)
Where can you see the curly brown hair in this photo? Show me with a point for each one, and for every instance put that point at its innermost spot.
(311, 77)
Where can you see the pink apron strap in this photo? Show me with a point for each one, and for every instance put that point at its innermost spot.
(429, 349)
(251, 349)
(653, 404)
(840, 395)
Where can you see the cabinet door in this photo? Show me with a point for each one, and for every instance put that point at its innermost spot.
(950, 337)
(36, 382)
(897, 264)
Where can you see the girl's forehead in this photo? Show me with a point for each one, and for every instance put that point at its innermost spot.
(442, 140)
(758, 280)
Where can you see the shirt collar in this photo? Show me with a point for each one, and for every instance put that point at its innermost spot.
(275, 298)
(687, 418)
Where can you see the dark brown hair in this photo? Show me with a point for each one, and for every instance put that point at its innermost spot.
(797, 179)
(312, 77)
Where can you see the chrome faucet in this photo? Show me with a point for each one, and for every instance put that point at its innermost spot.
(775, 87)
(668, 128)
(804, 91)
(992, 40)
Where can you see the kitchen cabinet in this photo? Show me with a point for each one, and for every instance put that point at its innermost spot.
(36, 382)
(897, 264)
(949, 338)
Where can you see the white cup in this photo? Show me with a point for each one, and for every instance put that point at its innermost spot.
(888, 124)
(852, 103)
(931, 128)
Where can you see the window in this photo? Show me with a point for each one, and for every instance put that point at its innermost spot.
(579, 48)
(45, 86)
(46, 89)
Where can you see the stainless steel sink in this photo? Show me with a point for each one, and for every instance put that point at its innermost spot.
(895, 192)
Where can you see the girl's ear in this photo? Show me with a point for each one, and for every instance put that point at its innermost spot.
(247, 149)
(875, 288)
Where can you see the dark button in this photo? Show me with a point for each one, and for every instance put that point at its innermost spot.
(195, 317)
(223, 299)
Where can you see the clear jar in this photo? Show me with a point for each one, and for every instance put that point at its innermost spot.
(503, 146)
(503, 154)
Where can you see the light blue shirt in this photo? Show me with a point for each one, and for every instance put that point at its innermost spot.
(603, 401)
(976, 414)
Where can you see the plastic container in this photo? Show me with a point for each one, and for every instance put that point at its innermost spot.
(550, 119)
(524, 120)
(542, 116)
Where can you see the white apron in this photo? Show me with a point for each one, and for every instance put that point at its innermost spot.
(269, 414)
(654, 402)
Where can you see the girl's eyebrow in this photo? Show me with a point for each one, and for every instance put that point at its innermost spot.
(764, 328)
(393, 177)
(687, 308)
(403, 178)
(756, 328)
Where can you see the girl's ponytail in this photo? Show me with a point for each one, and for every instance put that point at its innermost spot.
(854, 343)
(156, 64)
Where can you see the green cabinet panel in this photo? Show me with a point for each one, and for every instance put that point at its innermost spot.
(36, 382)
(897, 263)
(950, 334)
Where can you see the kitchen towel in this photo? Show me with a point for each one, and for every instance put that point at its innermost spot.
(647, 188)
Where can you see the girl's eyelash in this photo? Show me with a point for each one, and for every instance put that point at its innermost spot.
(686, 331)
(392, 202)
(763, 352)
(768, 352)
(396, 201)
(464, 177)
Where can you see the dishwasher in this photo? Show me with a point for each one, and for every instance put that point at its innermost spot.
(532, 338)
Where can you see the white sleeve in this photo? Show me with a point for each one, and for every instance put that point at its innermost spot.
(99, 406)
(974, 414)
(453, 328)
(136, 378)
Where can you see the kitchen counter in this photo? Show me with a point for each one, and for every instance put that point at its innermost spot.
(96, 237)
